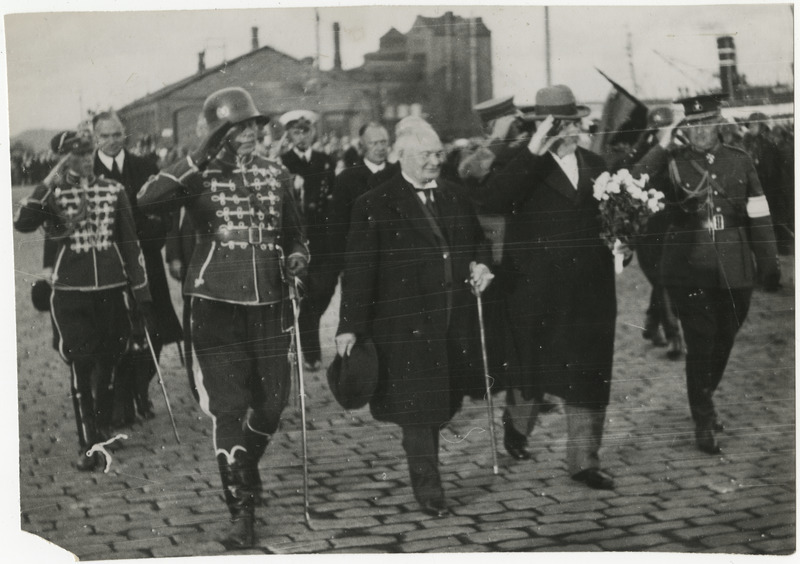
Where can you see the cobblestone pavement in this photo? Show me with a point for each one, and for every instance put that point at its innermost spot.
(163, 499)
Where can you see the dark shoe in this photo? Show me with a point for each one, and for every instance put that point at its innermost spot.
(707, 441)
(595, 479)
(675, 348)
(86, 463)
(435, 508)
(514, 441)
(241, 533)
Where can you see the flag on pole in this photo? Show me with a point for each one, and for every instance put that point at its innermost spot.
(623, 120)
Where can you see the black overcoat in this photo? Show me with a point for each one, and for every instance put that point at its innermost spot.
(152, 232)
(561, 299)
(406, 287)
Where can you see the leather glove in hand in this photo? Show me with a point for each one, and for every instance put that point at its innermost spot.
(296, 265)
(210, 146)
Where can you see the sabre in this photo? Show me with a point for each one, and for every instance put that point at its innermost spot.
(161, 381)
(298, 355)
(486, 379)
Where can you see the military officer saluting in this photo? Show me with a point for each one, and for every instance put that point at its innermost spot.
(249, 234)
(718, 220)
(97, 261)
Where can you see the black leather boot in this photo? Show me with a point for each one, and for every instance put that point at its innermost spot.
(256, 444)
(514, 441)
(237, 485)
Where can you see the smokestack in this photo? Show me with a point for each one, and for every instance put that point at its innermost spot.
(254, 40)
(201, 62)
(337, 55)
(728, 76)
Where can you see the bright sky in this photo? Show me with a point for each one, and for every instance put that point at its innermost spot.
(61, 63)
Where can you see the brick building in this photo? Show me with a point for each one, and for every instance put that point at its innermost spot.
(439, 70)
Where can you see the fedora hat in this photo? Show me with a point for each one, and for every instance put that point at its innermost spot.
(353, 378)
(557, 101)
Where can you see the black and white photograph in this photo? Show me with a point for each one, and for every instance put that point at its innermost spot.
(424, 279)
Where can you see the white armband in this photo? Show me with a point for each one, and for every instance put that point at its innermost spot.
(757, 207)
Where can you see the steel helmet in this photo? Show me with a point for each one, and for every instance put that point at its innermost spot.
(231, 105)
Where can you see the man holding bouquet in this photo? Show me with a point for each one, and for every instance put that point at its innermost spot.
(719, 219)
(561, 300)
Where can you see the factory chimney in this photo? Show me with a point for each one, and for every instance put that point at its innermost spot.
(254, 40)
(201, 62)
(728, 75)
(337, 54)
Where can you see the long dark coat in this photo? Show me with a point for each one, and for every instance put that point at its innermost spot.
(152, 232)
(561, 300)
(404, 286)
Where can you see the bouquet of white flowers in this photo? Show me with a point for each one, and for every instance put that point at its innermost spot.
(625, 205)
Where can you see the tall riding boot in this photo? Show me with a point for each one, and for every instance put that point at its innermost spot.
(237, 483)
(256, 444)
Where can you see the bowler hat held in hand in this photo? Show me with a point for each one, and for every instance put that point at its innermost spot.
(354, 377)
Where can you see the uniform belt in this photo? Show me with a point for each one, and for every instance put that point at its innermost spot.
(252, 235)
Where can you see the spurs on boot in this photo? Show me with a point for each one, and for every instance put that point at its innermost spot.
(514, 441)
(707, 441)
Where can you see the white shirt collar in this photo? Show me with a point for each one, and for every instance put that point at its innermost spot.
(305, 154)
(569, 164)
(374, 167)
(109, 161)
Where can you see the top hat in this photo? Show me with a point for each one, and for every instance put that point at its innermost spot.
(354, 378)
(303, 119)
(557, 101)
(495, 108)
(704, 106)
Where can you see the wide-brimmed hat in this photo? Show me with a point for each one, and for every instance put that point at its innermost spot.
(353, 378)
(557, 101)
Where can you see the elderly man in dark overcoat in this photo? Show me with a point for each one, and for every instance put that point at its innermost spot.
(561, 298)
(412, 243)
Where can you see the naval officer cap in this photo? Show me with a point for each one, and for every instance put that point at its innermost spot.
(702, 107)
(495, 108)
(302, 119)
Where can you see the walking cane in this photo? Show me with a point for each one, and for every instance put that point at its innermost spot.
(294, 296)
(161, 381)
(486, 379)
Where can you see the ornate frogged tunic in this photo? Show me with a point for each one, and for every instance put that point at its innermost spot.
(246, 221)
(92, 222)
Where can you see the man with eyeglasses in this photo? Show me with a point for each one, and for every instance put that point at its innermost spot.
(719, 221)
(249, 235)
(412, 243)
(562, 301)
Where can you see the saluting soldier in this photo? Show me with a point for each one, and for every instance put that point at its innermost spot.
(97, 261)
(317, 172)
(248, 230)
(718, 219)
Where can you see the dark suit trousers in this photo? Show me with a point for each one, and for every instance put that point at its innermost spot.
(421, 444)
(710, 317)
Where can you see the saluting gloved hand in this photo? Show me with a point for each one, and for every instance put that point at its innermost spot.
(210, 146)
(296, 265)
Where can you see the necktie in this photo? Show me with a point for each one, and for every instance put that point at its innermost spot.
(115, 173)
(430, 203)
